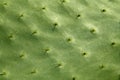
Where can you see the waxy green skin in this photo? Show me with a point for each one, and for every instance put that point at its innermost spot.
(59, 40)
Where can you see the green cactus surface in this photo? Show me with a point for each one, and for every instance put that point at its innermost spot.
(59, 39)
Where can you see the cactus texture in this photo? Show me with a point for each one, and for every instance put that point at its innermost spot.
(59, 39)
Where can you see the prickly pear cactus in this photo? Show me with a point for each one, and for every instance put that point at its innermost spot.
(59, 39)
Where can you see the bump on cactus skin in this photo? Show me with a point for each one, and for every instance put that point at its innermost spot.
(59, 40)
